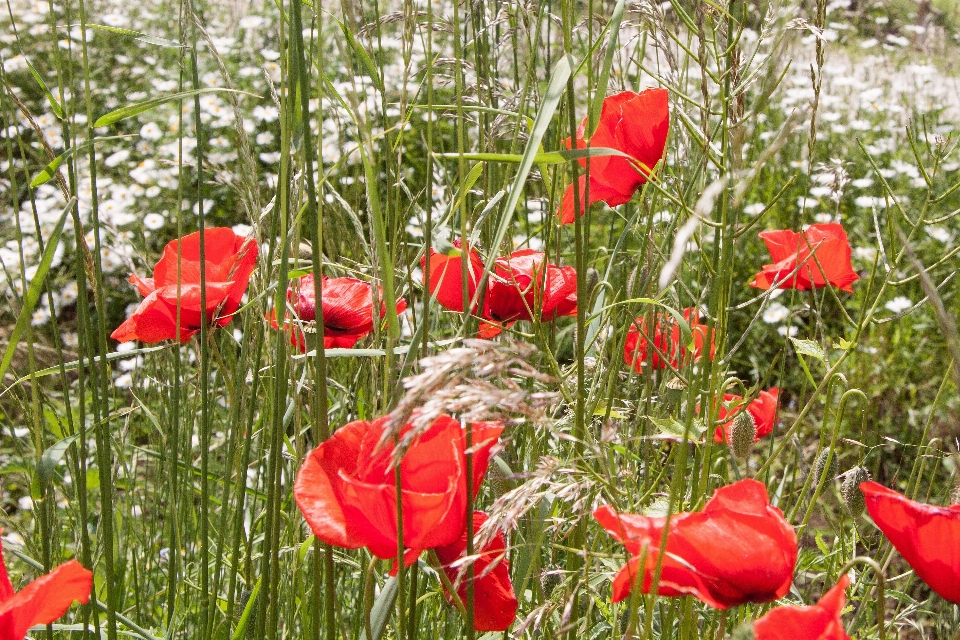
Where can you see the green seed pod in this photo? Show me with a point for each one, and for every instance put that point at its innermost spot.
(742, 434)
(675, 388)
(743, 632)
(850, 490)
(550, 579)
(821, 462)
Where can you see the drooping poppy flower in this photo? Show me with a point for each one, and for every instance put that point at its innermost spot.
(927, 536)
(229, 260)
(494, 603)
(445, 279)
(818, 622)
(525, 283)
(347, 310)
(738, 549)
(346, 488)
(763, 410)
(667, 349)
(633, 123)
(43, 600)
(822, 253)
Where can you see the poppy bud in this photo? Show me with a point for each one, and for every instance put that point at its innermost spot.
(592, 280)
(498, 476)
(550, 579)
(743, 632)
(821, 462)
(850, 490)
(742, 434)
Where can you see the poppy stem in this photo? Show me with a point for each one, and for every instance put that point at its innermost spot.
(881, 582)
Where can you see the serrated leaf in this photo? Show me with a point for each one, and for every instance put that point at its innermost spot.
(844, 344)
(809, 348)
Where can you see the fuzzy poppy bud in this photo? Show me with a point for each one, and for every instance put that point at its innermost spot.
(850, 490)
(744, 632)
(742, 434)
(821, 463)
(550, 579)
(592, 280)
(498, 476)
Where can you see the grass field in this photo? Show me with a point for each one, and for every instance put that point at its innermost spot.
(223, 472)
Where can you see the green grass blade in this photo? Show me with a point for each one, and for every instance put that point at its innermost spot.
(600, 93)
(136, 109)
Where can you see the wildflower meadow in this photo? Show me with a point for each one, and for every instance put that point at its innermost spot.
(414, 319)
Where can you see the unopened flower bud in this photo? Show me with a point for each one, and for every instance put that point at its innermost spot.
(850, 490)
(742, 434)
(592, 280)
(821, 462)
(675, 388)
(498, 476)
(550, 579)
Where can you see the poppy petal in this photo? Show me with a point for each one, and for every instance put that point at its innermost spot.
(818, 622)
(47, 598)
(925, 535)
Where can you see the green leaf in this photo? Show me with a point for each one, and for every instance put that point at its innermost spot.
(363, 57)
(809, 348)
(48, 462)
(142, 37)
(51, 169)
(136, 109)
(600, 93)
(34, 290)
(57, 109)
(382, 610)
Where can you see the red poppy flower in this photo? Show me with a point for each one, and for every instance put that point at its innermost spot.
(667, 350)
(347, 310)
(524, 283)
(229, 260)
(445, 279)
(494, 603)
(822, 253)
(43, 600)
(818, 622)
(634, 123)
(738, 549)
(763, 410)
(347, 492)
(927, 536)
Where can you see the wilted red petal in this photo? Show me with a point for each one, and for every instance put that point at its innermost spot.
(738, 549)
(495, 605)
(43, 600)
(818, 622)
(925, 535)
